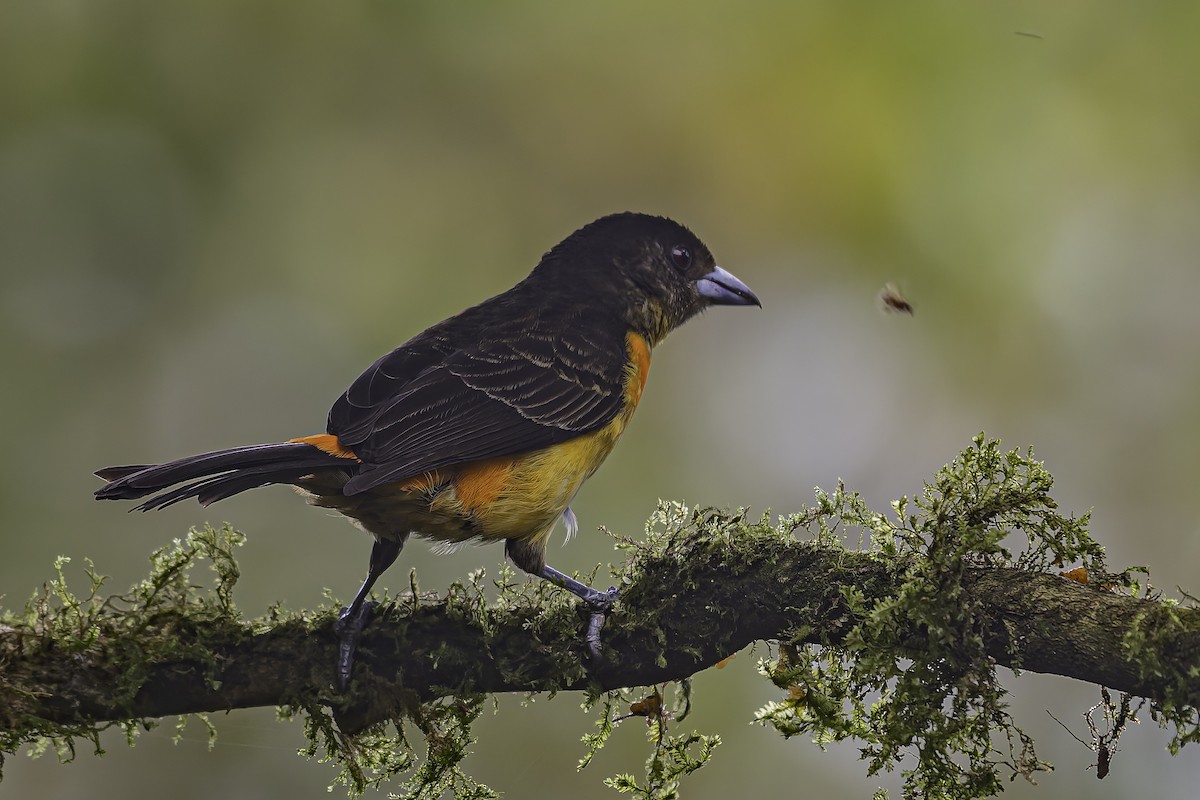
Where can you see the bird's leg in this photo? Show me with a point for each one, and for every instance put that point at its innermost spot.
(355, 616)
(530, 555)
(599, 602)
(593, 597)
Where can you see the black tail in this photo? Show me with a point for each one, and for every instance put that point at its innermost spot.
(220, 474)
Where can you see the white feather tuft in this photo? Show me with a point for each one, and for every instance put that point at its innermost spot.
(572, 524)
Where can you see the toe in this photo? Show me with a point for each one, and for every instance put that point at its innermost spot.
(603, 601)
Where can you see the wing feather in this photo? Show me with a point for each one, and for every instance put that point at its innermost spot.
(504, 392)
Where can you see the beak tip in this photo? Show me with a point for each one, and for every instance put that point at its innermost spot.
(722, 288)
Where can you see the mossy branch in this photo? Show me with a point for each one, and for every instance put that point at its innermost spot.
(928, 606)
(683, 611)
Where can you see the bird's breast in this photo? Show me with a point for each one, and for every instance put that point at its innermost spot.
(522, 497)
(508, 497)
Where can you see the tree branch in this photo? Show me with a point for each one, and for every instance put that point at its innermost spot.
(683, 610)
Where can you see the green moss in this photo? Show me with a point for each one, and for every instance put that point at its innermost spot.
(913, 677)
(910, 677)
(171, 616)
(1146, 644)
(164, 617)
(672, 756)
(382, 753)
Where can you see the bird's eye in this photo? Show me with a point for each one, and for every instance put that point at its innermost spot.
(681, 257)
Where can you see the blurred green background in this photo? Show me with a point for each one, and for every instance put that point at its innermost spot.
(213, 215)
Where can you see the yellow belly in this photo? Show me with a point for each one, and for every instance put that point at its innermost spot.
(518, 497)
(535, 490)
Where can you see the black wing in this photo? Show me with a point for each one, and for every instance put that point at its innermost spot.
(522, 387)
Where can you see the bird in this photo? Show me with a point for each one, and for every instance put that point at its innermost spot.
(484, 426)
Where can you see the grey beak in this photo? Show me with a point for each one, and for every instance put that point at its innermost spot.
(721, 288)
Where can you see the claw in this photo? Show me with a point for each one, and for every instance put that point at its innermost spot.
(600, 603)
(348, 628)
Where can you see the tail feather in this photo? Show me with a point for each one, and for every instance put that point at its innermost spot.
(214, 476)
(218, 487)
(229, 485)
(164, 499)
(112, 473)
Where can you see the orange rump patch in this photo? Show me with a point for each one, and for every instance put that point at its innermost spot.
(479, 483)
(328, 443)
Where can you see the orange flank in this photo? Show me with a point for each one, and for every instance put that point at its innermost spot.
(328, 443)
(639, 365)
(479, 483)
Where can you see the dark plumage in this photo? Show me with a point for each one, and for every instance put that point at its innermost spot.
(486, 424)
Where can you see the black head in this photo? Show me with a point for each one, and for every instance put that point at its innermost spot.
(653, 270)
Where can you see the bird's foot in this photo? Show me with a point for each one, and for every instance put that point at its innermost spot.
(600, 604)
(348, 628)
